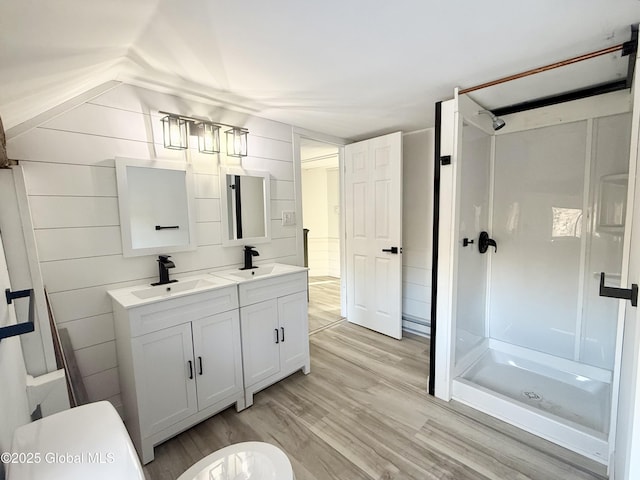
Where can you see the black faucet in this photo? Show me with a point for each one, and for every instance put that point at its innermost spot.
(249, 253)
(164, 264)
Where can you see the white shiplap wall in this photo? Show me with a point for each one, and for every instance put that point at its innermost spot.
(71, 182)
(417, 156)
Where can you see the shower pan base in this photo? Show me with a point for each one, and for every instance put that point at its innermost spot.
(569, 409)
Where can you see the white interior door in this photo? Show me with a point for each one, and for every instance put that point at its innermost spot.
(373, 209)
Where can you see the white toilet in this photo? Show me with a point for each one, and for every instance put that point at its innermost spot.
(242, 461)
(91, 442)
(81, 443)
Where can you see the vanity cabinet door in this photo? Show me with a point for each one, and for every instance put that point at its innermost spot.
(260, 341)
(167, 394)
(218, 358)
(294, 330)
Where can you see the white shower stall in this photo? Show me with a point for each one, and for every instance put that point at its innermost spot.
(522, 331)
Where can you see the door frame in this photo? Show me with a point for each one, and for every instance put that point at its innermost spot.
(624, 442)
(13, 395)
(298, 135)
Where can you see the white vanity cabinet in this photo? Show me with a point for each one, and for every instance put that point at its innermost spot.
(180, 362)
(275, 333)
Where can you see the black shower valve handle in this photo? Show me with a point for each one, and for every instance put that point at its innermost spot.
(484, 242)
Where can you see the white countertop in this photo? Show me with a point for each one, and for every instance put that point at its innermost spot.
(145, 294)
(260, 272)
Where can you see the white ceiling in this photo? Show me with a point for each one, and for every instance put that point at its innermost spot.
(349, 68)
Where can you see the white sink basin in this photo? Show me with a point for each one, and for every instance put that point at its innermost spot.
(255, 272)
(172, 288)
(143, 294)
(261, 271)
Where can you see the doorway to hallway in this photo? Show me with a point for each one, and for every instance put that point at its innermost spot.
(320, 174)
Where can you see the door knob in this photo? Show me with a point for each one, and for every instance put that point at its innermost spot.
(393, 250)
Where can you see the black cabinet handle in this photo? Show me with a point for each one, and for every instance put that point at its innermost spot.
(277, 337)
(282, 330)
(199, 365)
(168, 227)
(190, 370)
(622, 293)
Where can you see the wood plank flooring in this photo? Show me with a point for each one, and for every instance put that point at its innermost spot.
(363, 413)
(324, 302)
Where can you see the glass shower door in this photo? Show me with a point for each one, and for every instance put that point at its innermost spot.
(474, 166)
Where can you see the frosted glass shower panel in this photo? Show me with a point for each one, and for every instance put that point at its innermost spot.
(473, 217)
(539, 224)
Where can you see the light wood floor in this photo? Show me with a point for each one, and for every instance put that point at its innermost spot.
(324, 302)
(362, 413)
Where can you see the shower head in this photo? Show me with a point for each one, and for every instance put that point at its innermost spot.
(498, 123)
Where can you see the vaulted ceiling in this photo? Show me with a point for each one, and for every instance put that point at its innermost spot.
(350, 68)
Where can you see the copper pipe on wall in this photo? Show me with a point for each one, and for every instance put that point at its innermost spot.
(552, 66)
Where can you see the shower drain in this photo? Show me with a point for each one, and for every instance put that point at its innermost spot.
(532, 395)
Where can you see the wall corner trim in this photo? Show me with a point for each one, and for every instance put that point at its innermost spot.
(61, 109)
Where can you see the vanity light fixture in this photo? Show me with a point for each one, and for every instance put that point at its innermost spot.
(174, 131)
(237, 142)
(208, 138)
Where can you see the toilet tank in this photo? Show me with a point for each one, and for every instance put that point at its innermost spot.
(85, 442)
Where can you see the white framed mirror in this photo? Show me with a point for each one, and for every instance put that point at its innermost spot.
(155, 199)
(246, 205)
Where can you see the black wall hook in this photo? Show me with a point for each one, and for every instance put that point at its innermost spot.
(622, 293)
(484, 242)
